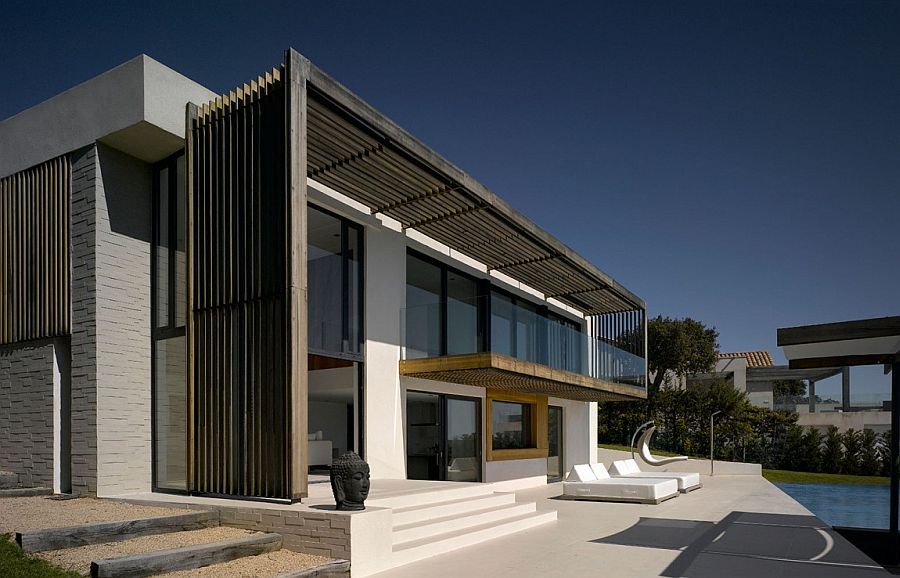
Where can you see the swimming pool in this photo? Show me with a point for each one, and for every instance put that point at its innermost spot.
(855, 506)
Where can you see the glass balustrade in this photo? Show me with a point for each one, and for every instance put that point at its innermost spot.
(449, 328)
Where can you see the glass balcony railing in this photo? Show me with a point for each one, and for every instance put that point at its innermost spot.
(455, 327)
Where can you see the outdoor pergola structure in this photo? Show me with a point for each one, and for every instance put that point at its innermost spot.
(249, 156)
(850, 343)
(785, 373)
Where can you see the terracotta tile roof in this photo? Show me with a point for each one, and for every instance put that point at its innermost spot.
(754, 358)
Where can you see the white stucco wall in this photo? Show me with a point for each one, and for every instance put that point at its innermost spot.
(141, 93)
(385, 295)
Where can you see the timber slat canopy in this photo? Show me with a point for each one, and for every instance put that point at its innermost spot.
(506, 373)
(354, 149)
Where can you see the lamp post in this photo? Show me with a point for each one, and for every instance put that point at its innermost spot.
(712, 441)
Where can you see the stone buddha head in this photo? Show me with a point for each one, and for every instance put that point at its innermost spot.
(350, 482)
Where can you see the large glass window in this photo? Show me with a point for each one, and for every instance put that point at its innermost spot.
(168, 311)
(462, 314)
(442, 310)
(503, 318)
(424, 312)
(334, 262)
(511, 425)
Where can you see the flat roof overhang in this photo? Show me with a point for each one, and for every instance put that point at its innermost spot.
(496, 371)
(785, 373)
(354, 149)
(847, 343)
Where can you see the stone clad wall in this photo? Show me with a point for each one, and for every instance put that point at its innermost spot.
(111, 230)
(319, 533)
(26, 412)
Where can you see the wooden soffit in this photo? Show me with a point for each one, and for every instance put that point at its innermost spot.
(504, 373)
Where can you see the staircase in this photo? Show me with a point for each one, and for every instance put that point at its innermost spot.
(430, 523)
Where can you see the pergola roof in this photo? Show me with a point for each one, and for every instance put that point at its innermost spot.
(356, 150)
(785, 373)
(860, 342)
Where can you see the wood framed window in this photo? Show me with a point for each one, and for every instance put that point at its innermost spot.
(516, 426)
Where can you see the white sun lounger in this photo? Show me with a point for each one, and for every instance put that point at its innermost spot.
(585, 482)
(628, 469)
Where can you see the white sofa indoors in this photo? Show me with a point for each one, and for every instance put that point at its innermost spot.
(319, 450)
(593, 482)
(687, 481)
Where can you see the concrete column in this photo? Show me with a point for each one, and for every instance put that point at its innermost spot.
(812, 396)
(845, 388)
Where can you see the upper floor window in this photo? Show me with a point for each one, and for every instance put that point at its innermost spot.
(442, 309)
(334, 264)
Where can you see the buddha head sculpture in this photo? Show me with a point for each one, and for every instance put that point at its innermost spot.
(350, 482)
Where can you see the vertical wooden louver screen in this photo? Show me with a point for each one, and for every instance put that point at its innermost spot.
(34, 252)
(238, 335)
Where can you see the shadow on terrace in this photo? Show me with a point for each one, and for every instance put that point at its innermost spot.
(745, 544)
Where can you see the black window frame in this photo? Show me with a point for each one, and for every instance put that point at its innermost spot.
(345, 353)
(482, 310)
(170, 330)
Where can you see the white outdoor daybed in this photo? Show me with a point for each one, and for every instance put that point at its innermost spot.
(628, 469)
(593, 482)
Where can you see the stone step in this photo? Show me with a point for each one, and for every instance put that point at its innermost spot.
(102, 532)
(410, 514)
(437, 526)
(425, 497)
(189, 557)
(25, 492)
(432, 546)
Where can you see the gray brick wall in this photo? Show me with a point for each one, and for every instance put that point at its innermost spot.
(111, 221)
(84, 326)
(123, 223)
(319, 533)
(26, 412)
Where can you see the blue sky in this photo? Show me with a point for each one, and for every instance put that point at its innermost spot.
(737, 162)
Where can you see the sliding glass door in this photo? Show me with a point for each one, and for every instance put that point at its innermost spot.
(443, 437)
(555, 465)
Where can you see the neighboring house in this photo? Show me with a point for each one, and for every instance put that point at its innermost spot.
(745, 371)
(218, 294)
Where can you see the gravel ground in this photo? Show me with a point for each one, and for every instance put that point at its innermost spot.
(79, 559)
(262, 566)
(36, 513)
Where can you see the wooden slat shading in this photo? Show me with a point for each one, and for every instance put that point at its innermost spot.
(238, 332)
(34, 252)
(357, 151)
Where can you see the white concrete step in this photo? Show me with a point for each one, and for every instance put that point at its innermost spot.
(411, 514)
(443, 543)
(425, 497)
(461, 520)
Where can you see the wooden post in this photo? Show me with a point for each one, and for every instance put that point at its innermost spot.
(297, 72)
(190, 421)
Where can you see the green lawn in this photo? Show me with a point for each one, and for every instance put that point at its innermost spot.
(13, 562)
(787, 477)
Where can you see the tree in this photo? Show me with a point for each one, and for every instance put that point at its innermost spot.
(884, 452)
(852, 451)
(869, 458)
(833, 451)
(788, 391)
(679, 347)
(811, 450)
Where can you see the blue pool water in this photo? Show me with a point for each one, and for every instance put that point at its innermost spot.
(861, 506)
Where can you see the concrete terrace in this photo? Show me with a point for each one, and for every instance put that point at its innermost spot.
(736, 526)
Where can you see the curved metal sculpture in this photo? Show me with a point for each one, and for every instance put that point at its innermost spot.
(644, 447)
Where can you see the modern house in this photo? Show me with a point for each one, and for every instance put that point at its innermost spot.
(216, 294)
